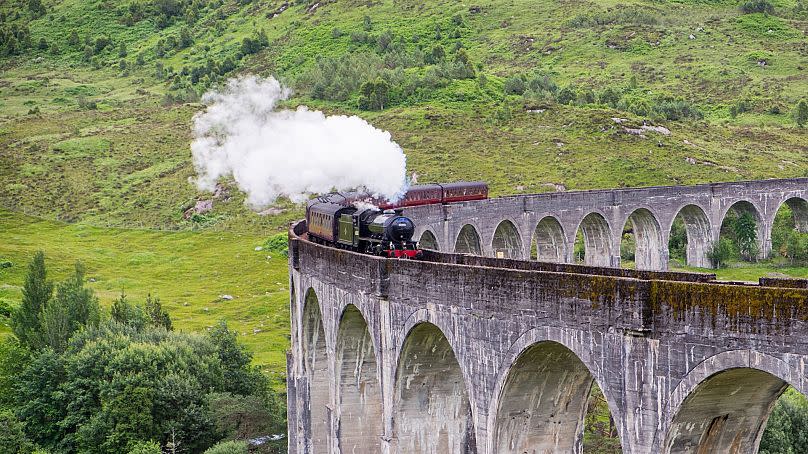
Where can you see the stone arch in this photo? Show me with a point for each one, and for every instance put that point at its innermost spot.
(745, 206)
(506, 242)
(428, 241)
(315, 366)
(699, 235)
(549, 241)
(597, 236)
(431, 404)
(723, 403)
(468, 241)
(360, 418)
(650, 250)
(799, 208)
(541, 396)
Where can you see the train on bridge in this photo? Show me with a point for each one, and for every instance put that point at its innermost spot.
(362, 223)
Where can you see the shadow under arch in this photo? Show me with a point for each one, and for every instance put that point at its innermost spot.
(799, 210)
(597, 235)
(549, 242)
(359, 400)
(542, 396)
(699, 234)
(507, 242)
(723, 403)
(428, 241)
(468, 241)
(315, 364)
(649, 246)
(431, 403)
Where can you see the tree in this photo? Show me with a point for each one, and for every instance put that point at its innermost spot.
(746, 234)
(515, 86)
(156, 314)
(186, 39)
(122, 49)
(73, 308)
(720, 252)
(36, 293)
(12, 436)
(801, 113)
(36, 7)
(373, 94)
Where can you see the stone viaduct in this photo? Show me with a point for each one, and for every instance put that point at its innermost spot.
(459, 353)
(509, 226)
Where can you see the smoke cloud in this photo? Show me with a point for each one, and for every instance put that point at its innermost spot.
(293, 153)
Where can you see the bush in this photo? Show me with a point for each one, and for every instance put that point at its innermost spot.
(229, 447)
(145, 447)
(721, 252)
(278, 243)
(801, 113)
(757, 6)
(515, 86)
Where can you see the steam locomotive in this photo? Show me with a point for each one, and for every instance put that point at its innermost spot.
(355, 221)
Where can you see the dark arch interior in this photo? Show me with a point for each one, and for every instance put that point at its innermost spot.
(593, 241)
(315, 363)
(468, 241)
(360, 400)
(549, 243)
(725, 413)
(506, 242)
(433, 414)
(428, 241)
(641, 245)
(543, 403)
(690, 238)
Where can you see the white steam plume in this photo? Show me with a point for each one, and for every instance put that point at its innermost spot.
(272, 153)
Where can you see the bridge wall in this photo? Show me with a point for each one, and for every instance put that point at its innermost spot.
(652, 210)
(460, 352)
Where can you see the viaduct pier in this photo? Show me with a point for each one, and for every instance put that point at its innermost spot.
(490, 353)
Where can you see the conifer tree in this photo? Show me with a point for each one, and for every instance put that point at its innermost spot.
(36, 293)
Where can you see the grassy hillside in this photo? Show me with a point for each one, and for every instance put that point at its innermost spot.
(188, 271)
(88, 134)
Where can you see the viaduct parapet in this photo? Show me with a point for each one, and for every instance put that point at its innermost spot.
(509, 226)
(471, 354)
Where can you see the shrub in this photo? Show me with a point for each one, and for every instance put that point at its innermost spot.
(801, 113)
(374, 94)
(720, 253)
(515, 86)
(757, 6)
(229, 447)
(278, 243)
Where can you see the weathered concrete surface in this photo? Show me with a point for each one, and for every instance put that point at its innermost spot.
(601, 216)
(474, 354)
(487, 355)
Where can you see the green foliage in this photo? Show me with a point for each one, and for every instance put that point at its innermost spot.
(721, 252)
(746, 235)
(801, 113)
(677, 244)
(12, 435)
(785, 430)
(228, 447)
(515, 86)
(278, 243)
(145, 447)
(37, 292)
(757, 6)
(796, 247)
(374, 94)
(13, 359)
(74, 307)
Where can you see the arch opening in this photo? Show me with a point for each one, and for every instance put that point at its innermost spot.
(468, 241)
(690, 237)
(431, 404)
(594, 241)
(428, 241)
(727, 412)
(549, 243)
(360, 402)
(507, 243)
(740, 236)
(315, 363)
(546, 400)
(789, 232)
(642, 244)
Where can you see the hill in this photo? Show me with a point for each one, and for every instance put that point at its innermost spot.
(98, 96)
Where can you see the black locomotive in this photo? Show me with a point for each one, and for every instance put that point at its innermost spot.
(331, 220)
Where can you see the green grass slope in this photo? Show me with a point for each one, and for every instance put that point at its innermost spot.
(91, 133)
(188, 271)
